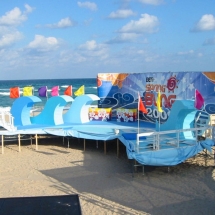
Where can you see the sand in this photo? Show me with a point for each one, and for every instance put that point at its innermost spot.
(104, 183)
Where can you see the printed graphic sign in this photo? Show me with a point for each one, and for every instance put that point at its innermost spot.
(120, 90)
(99, 114)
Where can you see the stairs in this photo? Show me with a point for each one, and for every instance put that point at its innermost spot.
(6, 119)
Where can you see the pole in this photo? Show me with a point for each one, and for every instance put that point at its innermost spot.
(2, 144)
(138, 117)
(159, 121)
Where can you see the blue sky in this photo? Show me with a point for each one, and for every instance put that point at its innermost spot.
(79, 39)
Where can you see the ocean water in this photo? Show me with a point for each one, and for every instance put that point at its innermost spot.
(90, 85)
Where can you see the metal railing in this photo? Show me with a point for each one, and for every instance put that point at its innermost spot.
(173, 138)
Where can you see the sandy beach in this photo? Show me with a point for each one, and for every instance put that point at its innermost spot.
(104, 183)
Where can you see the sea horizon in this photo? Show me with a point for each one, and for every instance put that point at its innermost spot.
(90, 85)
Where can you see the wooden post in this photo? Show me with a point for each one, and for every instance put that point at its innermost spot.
(2, 144)
(117, 145)
(36, 142)
(84, 145)
(135, 165)
(105, 147)
(19, 142)
(31, 140)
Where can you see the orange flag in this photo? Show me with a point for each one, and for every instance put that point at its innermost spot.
(14, 92)
(68, 91)
(141, 106)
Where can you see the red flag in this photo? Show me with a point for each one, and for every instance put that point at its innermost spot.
(199, 100)
(68, 91)
(14, 92)
(141, 106)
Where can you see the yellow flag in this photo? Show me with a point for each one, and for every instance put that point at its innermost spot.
(27, 91)
(80, 91)
(159, 102)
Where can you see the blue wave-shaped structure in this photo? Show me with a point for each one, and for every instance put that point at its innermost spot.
(21, 108)
(52, 114)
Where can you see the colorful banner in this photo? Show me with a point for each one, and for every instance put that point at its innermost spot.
(121, 90)
(100, 114)
(126, 115)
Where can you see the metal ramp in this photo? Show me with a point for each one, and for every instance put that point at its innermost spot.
(7, 120)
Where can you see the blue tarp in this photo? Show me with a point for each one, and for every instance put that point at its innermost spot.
(165, 157)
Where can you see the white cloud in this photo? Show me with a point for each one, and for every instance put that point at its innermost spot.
(70, 56)
(89, 5)
(10, 38)
(124, 37)
(206, 23)
(210, 41)
(152, 2)
(186, 53)
(63, 23)
(121, 14)
(28, 8)
(41, 43)
(8, 24)
(146, 24)
(15, 17)
(89, 45)
(93, 49)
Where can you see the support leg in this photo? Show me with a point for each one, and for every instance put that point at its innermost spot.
(31, 140)
(19, 142)
(132, 167)
(117, 145)
(143, 170)
(36, 142)
(135, 165)
(2, 144)
(105, 147)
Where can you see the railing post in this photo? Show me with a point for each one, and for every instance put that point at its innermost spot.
(2, 144)
(3, 118)
(158, 142)
(137, 146)
(178, 138)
